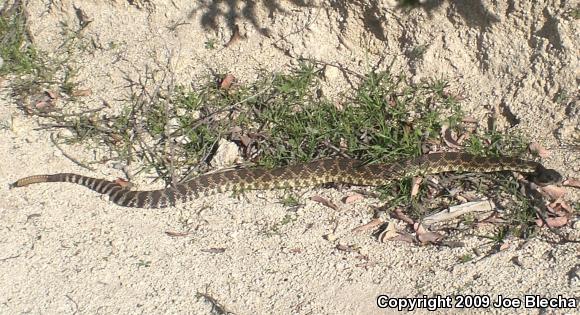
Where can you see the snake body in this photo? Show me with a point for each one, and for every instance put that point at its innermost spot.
(333, 170)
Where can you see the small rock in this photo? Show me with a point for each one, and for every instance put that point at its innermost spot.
(331, 73)
(330, 237)
(65, 133)
(225, 155)
(182, 140)
(173, 125)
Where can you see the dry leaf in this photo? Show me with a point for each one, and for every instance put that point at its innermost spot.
(52, 94)
(400, 215)
(214, 250)
(227, 81)
(453, 244)
(389, 233)
(368, 226)
(177, 234)
(296, 250)
(353, 198)
(345, 248)
(245, 140)
(123, 183)
(561, 204)
(425, 236)
(366, 264)
(429, 237)
(324, 201)
(82, 92)
(504, 246)
(415, 186)
(461, 199)
(536, 148)
(572, 182)
(404, 237)
(419, 228)
(553, 222)
(469, 120)
(43, 105)
(553, 191)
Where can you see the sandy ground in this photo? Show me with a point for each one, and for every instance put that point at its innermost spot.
(64, 249)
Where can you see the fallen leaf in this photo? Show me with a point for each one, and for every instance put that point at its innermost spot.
(368, 226)
(461, 199)
(345, 248)
(324, 202)
(469, 120)
(504, 246)
(453, 244)
(553, 191)
(296, 250)
(176, 234)
(366, 264)
(400, 215)
(419, 228)
(82, 92)
(43, 105)
(425, 236)
(245, 140)
(572, 182)
(123, 183)
(389, 233)
(415, 186)
(353, 198)
(52, 94)
(227, 81)
(561, 204)
(536, 148)
(429, 237)
(553, 222)
(404, 237)
(214, 250)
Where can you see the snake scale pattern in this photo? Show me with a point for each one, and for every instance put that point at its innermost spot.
(333, 170)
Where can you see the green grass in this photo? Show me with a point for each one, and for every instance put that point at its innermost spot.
(465, 258)
(32, 72)
(19, 56)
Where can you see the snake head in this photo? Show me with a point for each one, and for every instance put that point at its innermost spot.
(546, 176)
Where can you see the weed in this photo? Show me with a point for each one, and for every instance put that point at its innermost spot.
(210, 43)
(465, 258)
(19, 55)
(144, 263)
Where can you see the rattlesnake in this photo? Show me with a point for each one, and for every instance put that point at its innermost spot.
(332, 170)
